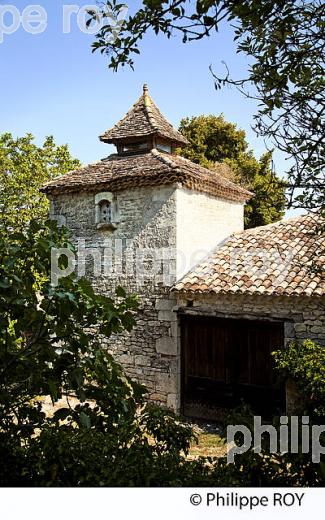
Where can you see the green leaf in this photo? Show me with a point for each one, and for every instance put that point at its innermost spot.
(61, 414)
(84, 420)
(120, 292)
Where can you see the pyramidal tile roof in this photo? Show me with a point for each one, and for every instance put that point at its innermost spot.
(284, 258)
(148, 167)
(144, 119)
(153, 168)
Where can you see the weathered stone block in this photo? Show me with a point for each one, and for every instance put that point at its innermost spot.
(167, 316)
(158, 397)
(289, 330)
(300, 327)
(154, 324)
(172, 402)
(142, 360)
(166, 346)
(317, 330)
(175, 330)
(166, 382)
(164, 305)
(125, 359)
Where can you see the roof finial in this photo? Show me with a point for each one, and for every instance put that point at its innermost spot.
(145, 88)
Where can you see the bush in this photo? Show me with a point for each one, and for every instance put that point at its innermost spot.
(304, 363)
(50, 345)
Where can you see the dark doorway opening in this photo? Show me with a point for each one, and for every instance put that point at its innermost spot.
(225, 361)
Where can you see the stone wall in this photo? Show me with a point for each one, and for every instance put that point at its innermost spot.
(162, 219)
(147, 221)
(303, 317)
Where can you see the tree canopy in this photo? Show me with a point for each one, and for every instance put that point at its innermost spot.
(212, 139)
(285, 46)
(24, 168)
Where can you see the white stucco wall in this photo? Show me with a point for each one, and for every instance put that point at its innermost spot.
(202, 222)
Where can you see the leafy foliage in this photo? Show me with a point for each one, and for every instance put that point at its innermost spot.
(24, 168)
(103, 433)
(212, 139)
(287, 73)
(50, 345)
(284, 43)
(304, 363)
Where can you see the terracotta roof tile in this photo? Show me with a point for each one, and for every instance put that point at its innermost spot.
(280, 258)
(144, 119)
(120, 172)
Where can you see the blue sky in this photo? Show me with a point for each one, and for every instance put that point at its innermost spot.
(51, 84)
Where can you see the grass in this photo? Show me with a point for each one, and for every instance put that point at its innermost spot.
(209, 445)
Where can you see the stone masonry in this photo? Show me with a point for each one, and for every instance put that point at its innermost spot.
(151, 218)
(303, 317)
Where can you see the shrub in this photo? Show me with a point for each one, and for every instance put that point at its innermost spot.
(50, 345)
(304, 363)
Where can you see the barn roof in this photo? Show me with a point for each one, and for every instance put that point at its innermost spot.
(284, 258)
(143, 120)
(120, 172)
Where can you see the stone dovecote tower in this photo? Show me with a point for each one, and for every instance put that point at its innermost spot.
(141, 218)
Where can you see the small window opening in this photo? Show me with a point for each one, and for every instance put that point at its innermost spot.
(134, 147)
(105, 212)
(164, 147)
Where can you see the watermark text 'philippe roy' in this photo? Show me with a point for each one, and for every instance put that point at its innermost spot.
(33, 19)
(290, 437)
(118, 257)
